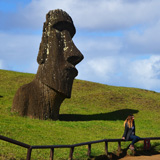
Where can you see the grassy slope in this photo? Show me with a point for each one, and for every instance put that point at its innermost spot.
(94, 112)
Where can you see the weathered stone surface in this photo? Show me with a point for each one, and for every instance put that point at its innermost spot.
(57, 58)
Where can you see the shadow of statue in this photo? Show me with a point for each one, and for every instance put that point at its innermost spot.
(115, 115)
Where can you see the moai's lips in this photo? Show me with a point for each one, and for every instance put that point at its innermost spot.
(71, 70)
(72, 62)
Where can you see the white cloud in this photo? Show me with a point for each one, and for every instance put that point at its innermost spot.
(145, 73)
(96, 47)
(102, 66)
(105, 70)
(116, 14)
(18, 52)
(123, 71)
(145, 41)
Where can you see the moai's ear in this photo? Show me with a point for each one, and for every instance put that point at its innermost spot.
(42, 54)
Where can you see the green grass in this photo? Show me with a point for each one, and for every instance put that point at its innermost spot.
(94, 112)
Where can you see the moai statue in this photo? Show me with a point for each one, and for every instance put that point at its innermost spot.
(57, 58)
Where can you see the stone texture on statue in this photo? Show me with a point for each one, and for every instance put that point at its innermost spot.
(57, 58)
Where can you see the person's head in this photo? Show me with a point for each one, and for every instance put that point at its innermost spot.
(129, 120)
(58, 54)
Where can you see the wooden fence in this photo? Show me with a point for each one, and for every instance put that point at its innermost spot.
(71, 147)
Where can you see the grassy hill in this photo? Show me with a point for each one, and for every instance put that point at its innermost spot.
(94, 112)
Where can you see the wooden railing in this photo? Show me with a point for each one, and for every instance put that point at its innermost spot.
(52, 147)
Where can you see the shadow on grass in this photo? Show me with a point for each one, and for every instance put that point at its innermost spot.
(125, 152)
(116, 115)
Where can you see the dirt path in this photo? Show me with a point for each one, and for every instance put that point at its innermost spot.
(154, 157)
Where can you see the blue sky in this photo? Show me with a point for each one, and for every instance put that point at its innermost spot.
(119, 39)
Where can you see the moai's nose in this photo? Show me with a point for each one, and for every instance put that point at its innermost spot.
(72, 53)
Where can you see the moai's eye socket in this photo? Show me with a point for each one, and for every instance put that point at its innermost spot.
(61, 26)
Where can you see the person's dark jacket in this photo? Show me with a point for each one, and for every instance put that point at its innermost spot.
(128, 131)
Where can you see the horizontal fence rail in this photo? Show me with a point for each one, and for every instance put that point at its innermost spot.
(14, 142)
(52, 147)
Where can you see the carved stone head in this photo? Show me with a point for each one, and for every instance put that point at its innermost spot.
(58, 54)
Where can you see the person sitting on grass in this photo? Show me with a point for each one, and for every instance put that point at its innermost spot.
(129, 131)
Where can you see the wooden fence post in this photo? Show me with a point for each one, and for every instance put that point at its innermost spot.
(106, 147)
(119, 146)
(89, 150)
(51, 153)
(29, 153)
(71, 153)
